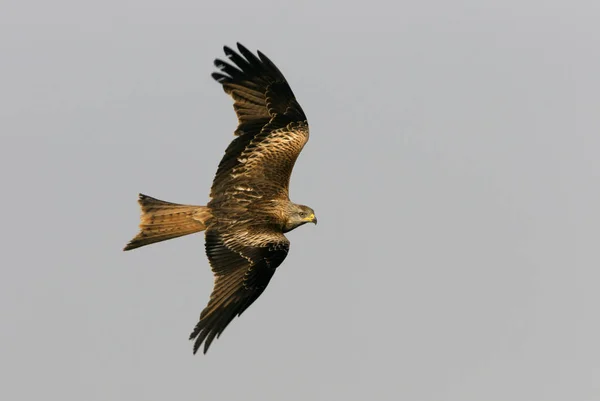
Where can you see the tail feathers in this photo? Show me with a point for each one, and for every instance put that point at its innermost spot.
(162, 220)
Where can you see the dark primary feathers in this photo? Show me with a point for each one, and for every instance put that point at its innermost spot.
(259, 90)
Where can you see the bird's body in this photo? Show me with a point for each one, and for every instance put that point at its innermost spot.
(250, 209)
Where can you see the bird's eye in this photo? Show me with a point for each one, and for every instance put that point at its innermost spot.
(302, 214)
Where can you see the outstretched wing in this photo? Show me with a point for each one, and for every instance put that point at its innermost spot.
(243, 264)
(272, 127)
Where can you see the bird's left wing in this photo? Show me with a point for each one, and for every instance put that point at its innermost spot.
(243, 263)
(272, 128)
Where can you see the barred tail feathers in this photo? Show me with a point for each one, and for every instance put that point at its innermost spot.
(162, 220)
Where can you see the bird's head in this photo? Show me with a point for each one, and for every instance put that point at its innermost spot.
(298, 215)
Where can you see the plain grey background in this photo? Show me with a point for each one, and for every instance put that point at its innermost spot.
(453, 165)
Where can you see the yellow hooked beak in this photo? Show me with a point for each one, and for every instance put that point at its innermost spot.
(311, 218)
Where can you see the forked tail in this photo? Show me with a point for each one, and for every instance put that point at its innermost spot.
(162, 220)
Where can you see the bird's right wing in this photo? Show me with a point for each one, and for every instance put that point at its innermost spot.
(243, 264)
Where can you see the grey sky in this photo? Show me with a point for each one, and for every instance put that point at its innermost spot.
(453, 165)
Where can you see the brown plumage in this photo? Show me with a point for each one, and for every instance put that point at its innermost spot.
(162, 220)
(250, 207)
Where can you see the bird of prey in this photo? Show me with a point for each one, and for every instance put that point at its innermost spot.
(250, 209)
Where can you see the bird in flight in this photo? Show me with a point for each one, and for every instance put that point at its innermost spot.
(250, 209)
